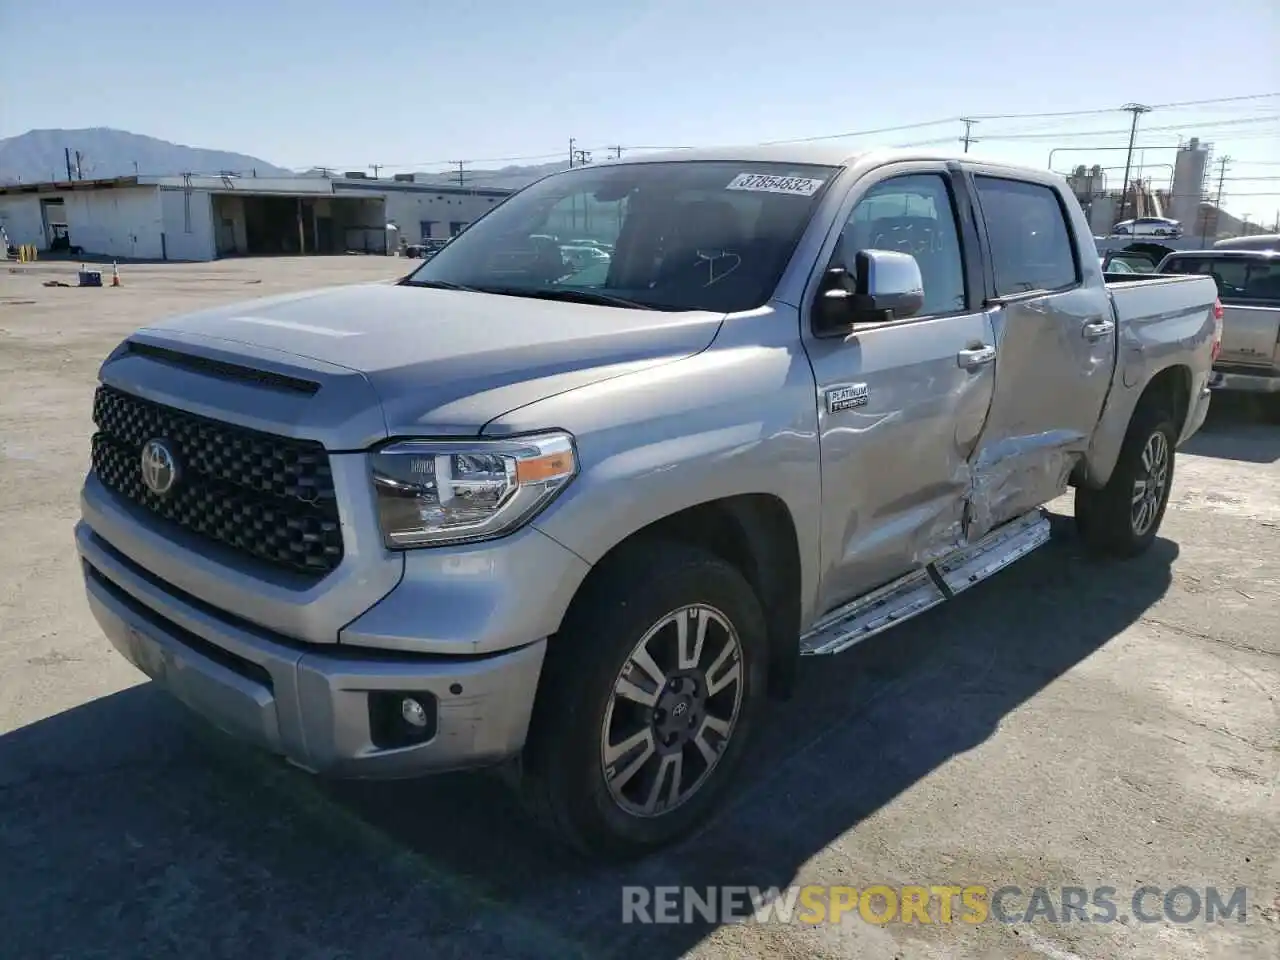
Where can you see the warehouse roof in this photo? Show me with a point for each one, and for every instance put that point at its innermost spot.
(293, 186)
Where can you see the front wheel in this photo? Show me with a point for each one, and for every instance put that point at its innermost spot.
(1123, 518)
(648, 697)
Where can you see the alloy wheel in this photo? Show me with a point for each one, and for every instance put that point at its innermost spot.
(672, 711)
(1149, 487)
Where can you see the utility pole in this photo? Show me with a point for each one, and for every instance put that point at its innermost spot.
(79, 168)
(462, 173)
(966, 139)
(1217, 205)
(1137, 110)
(66, 152)
(571, 150)
(375, 167)
(615, 153)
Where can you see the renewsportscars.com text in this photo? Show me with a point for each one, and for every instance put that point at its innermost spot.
(882, 904)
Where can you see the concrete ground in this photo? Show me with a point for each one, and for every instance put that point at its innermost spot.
(1067, 723)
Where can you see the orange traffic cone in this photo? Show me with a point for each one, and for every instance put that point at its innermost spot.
(115, 274)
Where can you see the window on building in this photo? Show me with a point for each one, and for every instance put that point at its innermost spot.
(427, 227)
(456, 227)
(1031, 246)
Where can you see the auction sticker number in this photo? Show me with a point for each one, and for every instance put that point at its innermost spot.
(764, 183)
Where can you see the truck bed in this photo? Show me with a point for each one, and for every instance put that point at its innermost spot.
(1153, 296)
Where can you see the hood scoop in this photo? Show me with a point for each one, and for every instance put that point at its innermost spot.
(222, 370)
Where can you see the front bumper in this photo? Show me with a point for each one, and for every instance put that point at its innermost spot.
(1245, 382)
(306, 703)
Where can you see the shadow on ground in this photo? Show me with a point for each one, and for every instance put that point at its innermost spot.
(1240, 427)
(126, 832)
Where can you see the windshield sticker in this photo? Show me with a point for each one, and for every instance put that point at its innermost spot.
(763, 183)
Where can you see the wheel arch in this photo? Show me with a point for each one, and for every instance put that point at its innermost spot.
(756, 534)
(1170, 387)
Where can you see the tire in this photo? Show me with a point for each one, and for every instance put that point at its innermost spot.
(563, 777)
(1111, 521)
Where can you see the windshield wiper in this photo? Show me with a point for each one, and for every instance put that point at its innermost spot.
(439, 285)
(571, 296)
(568, 296)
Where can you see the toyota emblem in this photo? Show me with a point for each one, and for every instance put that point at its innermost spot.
(159, 467)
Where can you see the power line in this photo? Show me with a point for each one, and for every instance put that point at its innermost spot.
(1155, 106)
(924, 124)
(1116, 130)
(1201, 103)
(862, 133)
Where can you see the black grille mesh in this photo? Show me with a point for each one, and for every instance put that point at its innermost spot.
(270, 497)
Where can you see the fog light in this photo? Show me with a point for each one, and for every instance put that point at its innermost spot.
(413, 712)
(401, 718)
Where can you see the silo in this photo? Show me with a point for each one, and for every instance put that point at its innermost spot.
(1188, 182)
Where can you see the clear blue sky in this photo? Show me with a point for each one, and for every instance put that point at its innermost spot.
(408, 84)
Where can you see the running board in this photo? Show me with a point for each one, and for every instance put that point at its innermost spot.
(999, 548)
(924, 589)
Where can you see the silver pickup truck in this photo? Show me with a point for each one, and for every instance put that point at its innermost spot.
(1248, 284)
(578, 523)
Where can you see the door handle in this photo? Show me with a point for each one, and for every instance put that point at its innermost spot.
(976, 357)
(1097, 329)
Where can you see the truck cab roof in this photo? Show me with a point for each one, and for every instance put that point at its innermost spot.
(831, 155)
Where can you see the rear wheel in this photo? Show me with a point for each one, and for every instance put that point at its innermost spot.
(648, 697)
(1123, 518)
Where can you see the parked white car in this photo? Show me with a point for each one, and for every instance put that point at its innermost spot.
(1149, 227)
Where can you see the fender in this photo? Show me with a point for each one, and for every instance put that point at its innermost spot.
(739, 418)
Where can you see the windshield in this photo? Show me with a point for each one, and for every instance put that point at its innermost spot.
(1239, 279)
(692, 235)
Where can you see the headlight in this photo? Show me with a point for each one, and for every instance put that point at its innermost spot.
(433, 492)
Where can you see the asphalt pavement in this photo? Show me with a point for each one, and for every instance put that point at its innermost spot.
(1067, 723)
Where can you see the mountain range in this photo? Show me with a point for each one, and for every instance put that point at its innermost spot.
(39, 156)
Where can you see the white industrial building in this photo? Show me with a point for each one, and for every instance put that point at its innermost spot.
(195, 218)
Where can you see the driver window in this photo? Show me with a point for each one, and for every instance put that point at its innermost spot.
(911, 214)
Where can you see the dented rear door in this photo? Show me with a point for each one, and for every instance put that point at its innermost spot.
(1055, 339)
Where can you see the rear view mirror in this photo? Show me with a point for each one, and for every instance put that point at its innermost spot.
(886, 286)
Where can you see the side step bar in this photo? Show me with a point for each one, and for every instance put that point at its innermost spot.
(924, 589)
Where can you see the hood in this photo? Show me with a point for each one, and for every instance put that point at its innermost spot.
(444, 362)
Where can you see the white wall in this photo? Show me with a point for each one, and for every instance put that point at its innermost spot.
(408, 209)
(226, 207)
(181, 243)
(20, 215)
(119, 222)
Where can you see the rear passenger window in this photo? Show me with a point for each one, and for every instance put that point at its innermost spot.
(1031, 246)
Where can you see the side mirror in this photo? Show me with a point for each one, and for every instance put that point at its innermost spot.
(886, 286)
